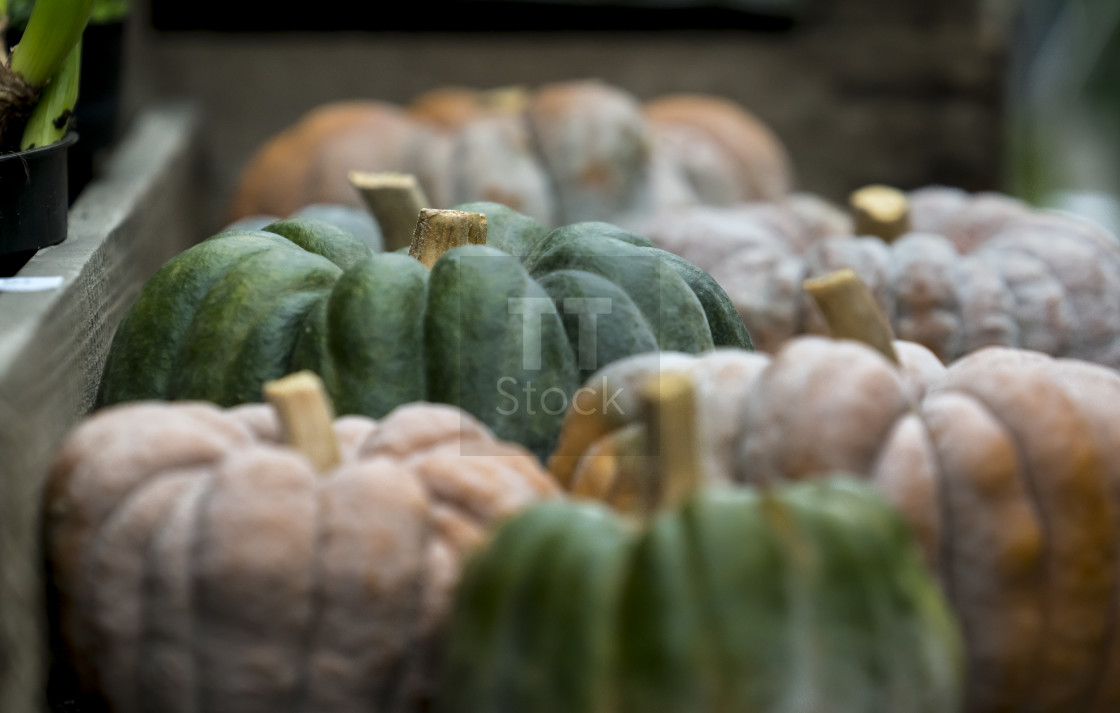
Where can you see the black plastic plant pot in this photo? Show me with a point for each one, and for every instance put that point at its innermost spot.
(33, 197)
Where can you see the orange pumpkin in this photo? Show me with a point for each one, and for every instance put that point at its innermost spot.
(564, 153)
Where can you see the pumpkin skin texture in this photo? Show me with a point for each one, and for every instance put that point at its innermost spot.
(242, 308)
(298, 167)
(751, 152)
(1002, 465)
(810, 597)
(973, 271)
(562, 153)
(201, 565)
(357, 222)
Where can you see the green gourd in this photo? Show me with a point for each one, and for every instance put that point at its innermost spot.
(809, 597)
(793, 598)
(497, 329)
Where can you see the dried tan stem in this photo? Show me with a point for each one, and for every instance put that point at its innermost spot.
(881, 211)
(306, 417)
(851, 311)
(669, 411)
(394, 200)
(437, 231)
(506, 100)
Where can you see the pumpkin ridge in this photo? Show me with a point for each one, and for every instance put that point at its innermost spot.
(266, 545)
(1100, 697)
(993, 695)
(993, 267)
(663, 296)
(201, 518)
(224, 319)
(1072, 338)
(576, 595)
(932, 543)
(153, 686)
(709, 523)
(1018, 305)
(946, 544)
(1026, 475)
(536, 150)
(613, 341)
(469, 305)
(655, 663)
(321, 238)
(110, 638)
(1095, 489)
(480, 624)
(834, 658)
(302, 694)
(383, 303)
(165, 287)
(925, 258)
(724, 324)
(268, 347)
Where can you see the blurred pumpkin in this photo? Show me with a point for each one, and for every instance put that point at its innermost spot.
(243, 560)
(564, 153)
(1002, 464)
(960, 271)
(803, 597)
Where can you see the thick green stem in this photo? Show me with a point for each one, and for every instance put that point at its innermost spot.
(52, 31)
(51, 118)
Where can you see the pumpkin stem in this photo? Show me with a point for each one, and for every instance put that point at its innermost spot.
(506, 100)
(394, 200)
(668, 403)
(881, 211)
(851, 311)
(437, 231)
(306, 417)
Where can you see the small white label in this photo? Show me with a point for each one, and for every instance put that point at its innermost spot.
(29, 284)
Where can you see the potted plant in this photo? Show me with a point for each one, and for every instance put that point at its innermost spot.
(38, 90)
(96, 115)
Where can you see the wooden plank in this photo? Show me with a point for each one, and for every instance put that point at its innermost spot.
(144, 210)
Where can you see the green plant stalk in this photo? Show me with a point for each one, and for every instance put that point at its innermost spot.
(52, 31)
(51, 118)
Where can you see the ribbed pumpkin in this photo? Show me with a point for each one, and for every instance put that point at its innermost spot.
(567, 152)
(1003, 464)
(502, 329)
(961, 271)
(200, 563)
(809, 597)
(356, 221)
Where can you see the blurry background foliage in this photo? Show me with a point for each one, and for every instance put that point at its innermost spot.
(1064, 114)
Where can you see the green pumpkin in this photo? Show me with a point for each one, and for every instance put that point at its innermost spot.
(493, 329)
(811, 597)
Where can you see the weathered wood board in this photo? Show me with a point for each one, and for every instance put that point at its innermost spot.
(142, 211)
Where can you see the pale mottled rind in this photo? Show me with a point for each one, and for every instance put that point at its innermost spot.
(562, 153)
(974, 271)
(1003, 464)
(203, 567)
